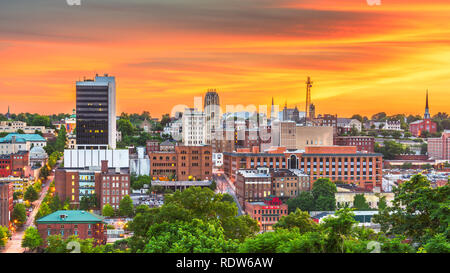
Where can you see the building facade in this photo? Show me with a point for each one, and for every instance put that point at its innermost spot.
(212, 114)
(439, 147)
(184, 163)
(362, 143)
(96, 113)
(193, 130)
(426, 125)
(267, 213)
(108, 185)
(6, 202)
(338, 163)
(68, 223)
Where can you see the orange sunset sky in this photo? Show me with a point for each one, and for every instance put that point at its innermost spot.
(363, 59)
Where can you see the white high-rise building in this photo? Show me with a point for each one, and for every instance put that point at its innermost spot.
(193, 127)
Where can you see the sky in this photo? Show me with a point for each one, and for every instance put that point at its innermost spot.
(362, 58)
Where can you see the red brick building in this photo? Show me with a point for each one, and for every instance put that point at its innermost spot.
(66, 223)
(253, 185)
(185, 163)
(14, 164)
(267, 213)
(152, 146)
(362, 143)
(6, 202)
(338, 163)
(439, 147)
(426, 125)
(109, 185)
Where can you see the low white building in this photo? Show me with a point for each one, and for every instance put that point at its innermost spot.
(14, 143)
(93, 158)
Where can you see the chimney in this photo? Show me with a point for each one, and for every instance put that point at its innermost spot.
(104, 166)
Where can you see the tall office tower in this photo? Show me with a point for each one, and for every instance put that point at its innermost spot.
(212, 114)
(308, 98)
(96, 113)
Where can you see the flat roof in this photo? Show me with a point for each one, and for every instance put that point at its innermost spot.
(71, 216)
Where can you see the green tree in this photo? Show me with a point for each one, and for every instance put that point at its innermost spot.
(4, 235)
(339, 228)
(31, 194)
(196, 236)
(32, 239)
(418, 211)
(44, 210)
(439, 243)
(298, 219)
(360, 203)
(304, 201)
(126, 207)
(125, 127)
(108, 210)
(323, 192)
(19, 213)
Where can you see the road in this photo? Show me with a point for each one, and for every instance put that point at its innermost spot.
(224, 185)
(14, 245)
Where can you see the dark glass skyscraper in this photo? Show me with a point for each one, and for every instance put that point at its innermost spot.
(96, 113)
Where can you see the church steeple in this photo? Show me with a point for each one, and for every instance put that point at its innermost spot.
(427, 110)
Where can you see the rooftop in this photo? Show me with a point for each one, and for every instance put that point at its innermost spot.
(22, 137)
(70, 216)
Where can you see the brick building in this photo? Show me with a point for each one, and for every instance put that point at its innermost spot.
(338, 163)
(16, 165)
(253, 185)
(109, 185)
(362, 143)
(6, 202)
(267, 212)
(426, 125)
(184, 163)
(439, 147)
(152, 145)
(66, 223)
(287, 183)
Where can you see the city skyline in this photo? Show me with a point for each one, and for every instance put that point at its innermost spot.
(164, 54)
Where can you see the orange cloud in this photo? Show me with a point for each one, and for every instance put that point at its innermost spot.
(363, 59)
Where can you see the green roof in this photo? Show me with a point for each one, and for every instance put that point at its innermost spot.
(70, 216)
(22, 137)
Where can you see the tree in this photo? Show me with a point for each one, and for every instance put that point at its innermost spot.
(125, 127)
(32, 239)
(126, 207)
(88, 202)
(339, 228)
(439, 243)
(4, 235)
(357, 117)
(298, 219)
(323, 192)
(239, 227)
(55, 203)
(19, 213)
(359, 202)
(304, 201)
(179, 237)
(108, 210)
(390, 149)
(44, 210)
(418, 211)
(44, 173)
(31, 194)
(213, 185)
